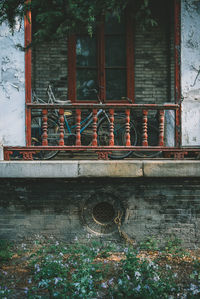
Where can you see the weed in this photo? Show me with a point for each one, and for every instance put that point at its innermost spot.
(142, 279)
(149, 244)
(98, 270)
(5, 250)
(173, 244)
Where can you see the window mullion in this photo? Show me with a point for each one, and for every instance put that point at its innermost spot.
(130, 57)
(72, 68)
(101, 60)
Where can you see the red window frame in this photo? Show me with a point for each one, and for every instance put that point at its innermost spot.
(101, 69)
(28, 75)
(130, 69)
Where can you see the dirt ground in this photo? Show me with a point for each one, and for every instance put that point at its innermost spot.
(16, 273)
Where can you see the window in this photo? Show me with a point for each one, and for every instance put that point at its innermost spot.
(103, 65)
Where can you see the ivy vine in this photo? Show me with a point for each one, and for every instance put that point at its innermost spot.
(54, 19)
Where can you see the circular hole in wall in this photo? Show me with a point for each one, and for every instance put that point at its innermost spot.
(103, 213)
(99, 215)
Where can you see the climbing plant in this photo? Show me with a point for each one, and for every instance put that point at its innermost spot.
(56, 18)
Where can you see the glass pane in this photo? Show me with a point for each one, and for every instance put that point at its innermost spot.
(86, 51)
(86, 84)
(115, 84)
(113, 25)
(115, 50)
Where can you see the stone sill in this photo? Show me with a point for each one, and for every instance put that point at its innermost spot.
(98, 169)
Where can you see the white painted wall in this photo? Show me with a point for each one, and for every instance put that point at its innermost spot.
(12, 91)
(190, 71)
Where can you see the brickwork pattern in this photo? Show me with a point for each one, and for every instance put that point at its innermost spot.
(154, 63)
(49, 66)
(154, 207)
(154, 58)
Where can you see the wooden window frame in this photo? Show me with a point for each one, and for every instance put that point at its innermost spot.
(130, 69)
(101, 69)
(28, 75)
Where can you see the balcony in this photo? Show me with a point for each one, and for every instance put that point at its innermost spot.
(101, 131)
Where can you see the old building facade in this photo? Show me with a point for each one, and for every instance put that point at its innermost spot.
(154, 73)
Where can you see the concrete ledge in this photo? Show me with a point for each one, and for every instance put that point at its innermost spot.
(39, 169)
(83, 168)
(111, 169)
(165, 168)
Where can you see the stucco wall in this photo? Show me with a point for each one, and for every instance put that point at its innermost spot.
(190, 71)
(12, 95)
(12, 101)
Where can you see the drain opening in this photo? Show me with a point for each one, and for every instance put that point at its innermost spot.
(103, 213)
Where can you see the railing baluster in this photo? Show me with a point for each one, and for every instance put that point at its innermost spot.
(61, 140)
(128, 139)
(111, 141)
(94, 139)
(161, 127)
(44, 127)
(144, 127)
(78, 127)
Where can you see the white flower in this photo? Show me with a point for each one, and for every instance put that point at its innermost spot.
(43, 283)
(37, 267)
(138, 288)
(120, 282)
(193, 287)
(151, 264)
(25, 290)
(104, 285)
(23, 246)
(195, 292)
(57, 279)
(156, 278)
(111, 281)
(126, 250)
(168, 267)
(137, 275)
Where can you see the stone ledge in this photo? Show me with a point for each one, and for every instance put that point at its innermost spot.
(110, 169)
(176, 168)
(38, 169)
(113, 169)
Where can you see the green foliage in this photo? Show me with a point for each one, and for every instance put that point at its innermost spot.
(143, 279)
(149, 244)
(5, 250)
(81, 271)
(56, 18)
(173, 245)
(98, 270)
(69, 272)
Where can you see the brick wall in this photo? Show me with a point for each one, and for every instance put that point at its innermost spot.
(151, 207)
(49, 65)
(154, 63)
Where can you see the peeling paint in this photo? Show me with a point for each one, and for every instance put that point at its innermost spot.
(190, 72)
(12, 83)
(12, 93)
